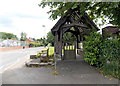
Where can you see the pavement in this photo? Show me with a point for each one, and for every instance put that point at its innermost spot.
(69, 72)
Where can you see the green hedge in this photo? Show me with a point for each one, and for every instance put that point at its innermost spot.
(110, 57)
(34, 44)
(91, 48)
(103, 53)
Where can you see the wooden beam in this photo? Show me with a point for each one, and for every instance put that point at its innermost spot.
(61, 21)
(89, 20)
(74, 24)
(65, 29)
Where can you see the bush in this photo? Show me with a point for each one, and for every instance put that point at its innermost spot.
(34, 44)
(105, 54)
(91, 48)
(111, 68)
(109, 51)
(110, 57)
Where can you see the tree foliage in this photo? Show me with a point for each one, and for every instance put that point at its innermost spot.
(4, 35)
(103, 53)
(23, 36)
(68, 36)
(95, 10)
(44, 41)
(50, 38)
(35, 44)
(92, 48)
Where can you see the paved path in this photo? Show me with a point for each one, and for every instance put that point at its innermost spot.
(70, 72)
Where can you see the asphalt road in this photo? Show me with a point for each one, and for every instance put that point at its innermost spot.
(69, 72)
(9, 58)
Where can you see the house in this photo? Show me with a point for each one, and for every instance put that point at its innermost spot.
(111, 31)
(30, 40)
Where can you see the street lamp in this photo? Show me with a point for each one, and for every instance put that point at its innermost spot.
(44, 30)
(44, 34)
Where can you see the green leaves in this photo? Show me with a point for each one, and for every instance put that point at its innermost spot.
(23, 36)
(91, 48)
(34, 44)
(111, 69)
(110, 50)
(106, 9)
(96, 10)
(68, 36)
(103, 53)
(4, 35)
(50, 38)
(74, 6)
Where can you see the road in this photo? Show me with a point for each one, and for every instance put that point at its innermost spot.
(9, 58)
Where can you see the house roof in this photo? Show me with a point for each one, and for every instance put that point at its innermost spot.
(110, 29)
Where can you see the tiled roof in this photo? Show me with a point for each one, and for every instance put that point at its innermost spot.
(110, 29)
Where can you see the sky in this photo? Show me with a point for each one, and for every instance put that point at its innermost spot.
(18, 16)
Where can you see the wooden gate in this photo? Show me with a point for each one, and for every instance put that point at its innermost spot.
(69, 50)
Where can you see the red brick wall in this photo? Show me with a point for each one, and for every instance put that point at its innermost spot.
(11, 48)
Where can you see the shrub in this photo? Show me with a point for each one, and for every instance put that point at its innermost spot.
(110, 57)
(109, 51)
(34, 44)
(111, 68)
(91, 48)
(105, 54)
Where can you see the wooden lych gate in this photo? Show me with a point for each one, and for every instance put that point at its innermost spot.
(82, 25)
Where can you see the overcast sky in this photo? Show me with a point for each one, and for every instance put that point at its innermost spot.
(18, 16)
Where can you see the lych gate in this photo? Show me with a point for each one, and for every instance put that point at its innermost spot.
(81, 25)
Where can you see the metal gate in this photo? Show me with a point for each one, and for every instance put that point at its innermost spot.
(69, 50)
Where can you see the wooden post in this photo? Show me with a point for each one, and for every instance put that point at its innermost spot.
(55, 44)
(58, 45)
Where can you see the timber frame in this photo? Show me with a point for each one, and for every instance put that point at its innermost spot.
(72, 18)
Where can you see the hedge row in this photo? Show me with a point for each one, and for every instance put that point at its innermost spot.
(34, 44)
(103, 53)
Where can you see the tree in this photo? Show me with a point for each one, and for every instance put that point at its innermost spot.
(4, 35)
(68, 36)
(95, 10)
(50, 38)
(39, 40)
(34, 39)
(23, 36)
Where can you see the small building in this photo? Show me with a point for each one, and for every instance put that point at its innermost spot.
(110, 31)
(30, 40)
